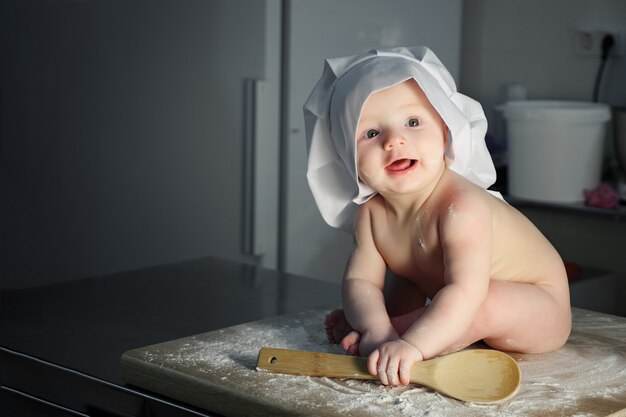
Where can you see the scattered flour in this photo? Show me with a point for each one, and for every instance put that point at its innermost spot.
(587, 377)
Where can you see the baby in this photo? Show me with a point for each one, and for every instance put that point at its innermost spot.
(398, 154)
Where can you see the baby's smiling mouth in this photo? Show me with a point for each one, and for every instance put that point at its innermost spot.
(401, 165)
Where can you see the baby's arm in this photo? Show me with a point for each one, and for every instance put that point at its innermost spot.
(363, 299)
(466, 238)
(465, 230)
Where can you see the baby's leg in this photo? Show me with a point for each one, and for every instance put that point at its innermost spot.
(520, 317)
(339, 331)
(402, 297)
(404, 303)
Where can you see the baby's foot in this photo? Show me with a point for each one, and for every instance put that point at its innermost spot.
(350, 343)
(337, 326)
(339, 331)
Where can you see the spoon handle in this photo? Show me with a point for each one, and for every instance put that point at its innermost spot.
(297, 362)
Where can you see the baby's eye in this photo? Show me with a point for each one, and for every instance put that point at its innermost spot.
(413, 122)
(372, 133)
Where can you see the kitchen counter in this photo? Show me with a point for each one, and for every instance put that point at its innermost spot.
(60, 345)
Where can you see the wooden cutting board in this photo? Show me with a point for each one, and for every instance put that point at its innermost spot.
(216, 371)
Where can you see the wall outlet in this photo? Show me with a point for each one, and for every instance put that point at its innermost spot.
(589, 42)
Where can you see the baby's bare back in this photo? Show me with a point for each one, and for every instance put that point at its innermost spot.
(412, 247)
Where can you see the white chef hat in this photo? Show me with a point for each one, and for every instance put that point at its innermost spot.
(332, 111)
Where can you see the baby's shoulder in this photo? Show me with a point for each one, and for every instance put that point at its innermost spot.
(374, 204)
(463, 204)
(371, 210)
(461, 194)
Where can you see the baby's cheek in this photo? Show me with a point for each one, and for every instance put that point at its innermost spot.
(432, 162)
(364, 171)
(369, 177)
(364, 174)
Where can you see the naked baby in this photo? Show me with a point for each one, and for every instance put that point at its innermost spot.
(398, 155)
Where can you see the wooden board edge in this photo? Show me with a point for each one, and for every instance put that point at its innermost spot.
(189, 389)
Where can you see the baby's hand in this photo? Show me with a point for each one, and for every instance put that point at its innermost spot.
(373, 339)
(392, 362)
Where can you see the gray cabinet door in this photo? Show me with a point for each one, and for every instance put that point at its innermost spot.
(122, 132)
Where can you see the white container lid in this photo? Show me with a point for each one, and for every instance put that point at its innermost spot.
(552, 110)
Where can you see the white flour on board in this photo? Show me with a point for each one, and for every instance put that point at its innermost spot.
(586, 377)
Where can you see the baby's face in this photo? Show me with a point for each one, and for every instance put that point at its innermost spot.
(400, 140)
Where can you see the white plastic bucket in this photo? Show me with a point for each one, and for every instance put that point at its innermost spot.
(555, 148)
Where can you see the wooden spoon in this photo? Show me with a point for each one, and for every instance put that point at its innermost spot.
(480, 376)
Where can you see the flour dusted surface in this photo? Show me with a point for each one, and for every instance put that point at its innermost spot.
(587, 377)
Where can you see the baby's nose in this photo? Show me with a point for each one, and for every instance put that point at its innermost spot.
(393, 141)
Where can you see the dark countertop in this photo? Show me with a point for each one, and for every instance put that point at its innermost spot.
(580, 209)
(84, 326)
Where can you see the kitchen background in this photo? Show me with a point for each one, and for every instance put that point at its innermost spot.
(142, 133)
